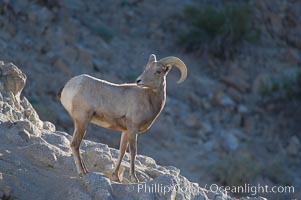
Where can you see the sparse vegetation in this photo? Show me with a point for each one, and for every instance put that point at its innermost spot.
(237, 168)
(284, 86)
(6, 197)
(98, 27)
(103, 31)
(1, 10)
(241, 167)
(49, 3)
(3, 7)
(218, 30)
(277, 172)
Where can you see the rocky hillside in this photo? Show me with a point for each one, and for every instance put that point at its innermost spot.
(36, 163)
(235, 120)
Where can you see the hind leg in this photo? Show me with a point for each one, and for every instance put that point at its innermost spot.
(122, 149)
(80, 126)
(132, 137)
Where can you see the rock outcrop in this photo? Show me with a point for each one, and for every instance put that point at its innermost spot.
(36, 163)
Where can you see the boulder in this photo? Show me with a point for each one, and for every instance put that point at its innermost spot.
(12, 79)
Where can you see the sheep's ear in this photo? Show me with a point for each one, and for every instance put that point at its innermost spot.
(152, 58)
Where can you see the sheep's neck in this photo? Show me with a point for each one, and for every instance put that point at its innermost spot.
(158, 96)
(156, 102)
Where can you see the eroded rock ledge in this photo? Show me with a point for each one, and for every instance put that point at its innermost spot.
(36, 163)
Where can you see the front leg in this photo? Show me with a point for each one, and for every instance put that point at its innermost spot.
(132, 137)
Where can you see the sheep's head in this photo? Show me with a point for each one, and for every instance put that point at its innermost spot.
(156, 71)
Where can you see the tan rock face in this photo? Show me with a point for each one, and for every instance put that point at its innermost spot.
(13, 79)
(12, 82)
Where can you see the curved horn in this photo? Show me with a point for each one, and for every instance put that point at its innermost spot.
(172, 61)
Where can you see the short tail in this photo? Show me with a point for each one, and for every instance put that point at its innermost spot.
(59, 94)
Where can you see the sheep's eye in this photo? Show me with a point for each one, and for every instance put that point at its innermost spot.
(158, 72)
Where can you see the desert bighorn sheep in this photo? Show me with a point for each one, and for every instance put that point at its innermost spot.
(129, 108)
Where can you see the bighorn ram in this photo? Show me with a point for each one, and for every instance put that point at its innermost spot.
(129, 108)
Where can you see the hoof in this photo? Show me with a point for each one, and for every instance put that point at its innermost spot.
(82, 174)
(133, 179)
(115, 178)
(86, 171)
